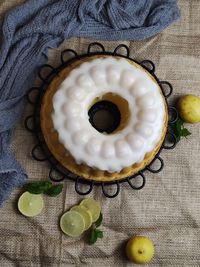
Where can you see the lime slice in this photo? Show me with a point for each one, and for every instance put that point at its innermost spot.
(72, 223)
(93, 206)
(30, 205)
(87, 216)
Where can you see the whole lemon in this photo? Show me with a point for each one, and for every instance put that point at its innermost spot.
(140, 249)
(189, 108)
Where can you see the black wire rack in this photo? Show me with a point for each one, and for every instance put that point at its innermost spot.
(40, 151)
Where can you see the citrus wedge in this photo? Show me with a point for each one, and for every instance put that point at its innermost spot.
(87, 216)
(30, 205)
(72, 223)
(93, 206)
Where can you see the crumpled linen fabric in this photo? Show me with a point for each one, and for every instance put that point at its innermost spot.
(29, 30)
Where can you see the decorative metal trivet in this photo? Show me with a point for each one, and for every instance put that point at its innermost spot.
(56, 169)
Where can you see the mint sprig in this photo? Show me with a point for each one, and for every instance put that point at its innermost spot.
(95, 232)
(44, 187)
(54, 190)
(180, 130)
(38, 187)
(99, 221)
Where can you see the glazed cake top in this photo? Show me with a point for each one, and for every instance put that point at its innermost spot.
(120, 149)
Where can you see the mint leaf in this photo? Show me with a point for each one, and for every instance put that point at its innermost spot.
(54, 190)
(185, 132)
(99, 233)
(99, 221)
(177, 129)
(47, 187)
(93, 237)
(179, 124)
(38, 187)
(95, 232)
(180, 130)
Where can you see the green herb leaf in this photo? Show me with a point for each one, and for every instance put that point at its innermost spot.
(180, 130)
(38, 187)
(99, 233)
(177, 129)
(93, 237)
(99, 221)
(96, 233)
(185, 132)
(54, 190)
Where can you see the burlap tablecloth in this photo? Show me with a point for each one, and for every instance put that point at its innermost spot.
(167, 210)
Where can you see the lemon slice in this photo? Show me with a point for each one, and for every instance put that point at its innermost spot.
(87, 216)
(30, 205)
(93, 206)
(72, 223)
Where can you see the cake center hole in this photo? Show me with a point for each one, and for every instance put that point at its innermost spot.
(104, 116)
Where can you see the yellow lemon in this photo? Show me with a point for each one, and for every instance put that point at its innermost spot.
(140, 249)
(189, 108)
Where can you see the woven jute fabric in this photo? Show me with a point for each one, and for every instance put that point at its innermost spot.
(167, 209)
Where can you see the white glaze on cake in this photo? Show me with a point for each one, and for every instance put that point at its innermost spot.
(115, 151)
